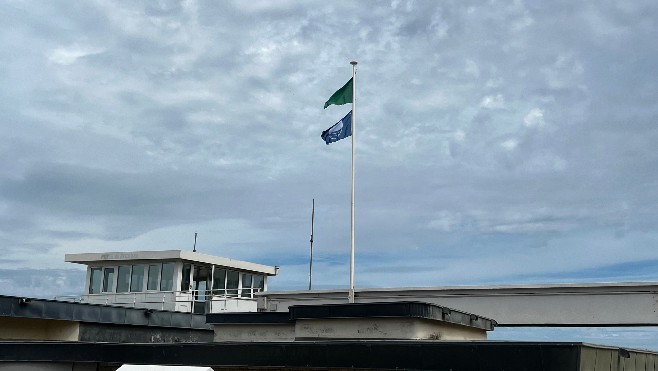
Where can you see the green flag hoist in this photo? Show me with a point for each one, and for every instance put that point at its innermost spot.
(343, 95)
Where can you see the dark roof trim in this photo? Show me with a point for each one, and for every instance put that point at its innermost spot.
(380, 355)
(391, 309)
(15, 306)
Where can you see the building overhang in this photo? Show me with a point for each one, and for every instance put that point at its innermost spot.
(169, 255)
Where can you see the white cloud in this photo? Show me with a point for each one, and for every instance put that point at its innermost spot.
(445, 221)
(264, 5)
(459, 136)
(70, 54)
(534, 118)
(493, 102)
(510, 144)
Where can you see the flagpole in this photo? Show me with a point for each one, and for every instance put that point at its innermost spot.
(310, 263)
(351, 292)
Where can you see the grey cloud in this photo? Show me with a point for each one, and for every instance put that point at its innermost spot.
(82, 193)
(211, 112)
(42, 283)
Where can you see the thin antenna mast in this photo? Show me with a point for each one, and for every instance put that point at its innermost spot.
(194, 248)
(310, 264)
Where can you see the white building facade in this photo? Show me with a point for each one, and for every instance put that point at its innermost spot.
(173, 280)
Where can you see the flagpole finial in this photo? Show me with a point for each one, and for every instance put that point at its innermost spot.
(353, 63)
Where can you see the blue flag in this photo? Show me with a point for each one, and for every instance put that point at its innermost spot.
(342, 129)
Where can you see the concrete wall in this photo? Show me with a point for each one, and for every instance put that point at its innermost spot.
(12, 328)
(384, 328)
(601, 359)
(96, 332)
(256, 332)
(220, 305)
(16, 328)
(348, 328)
(171, 301)
(148, 300)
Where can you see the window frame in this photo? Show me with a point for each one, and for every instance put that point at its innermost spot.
(127, 290)
(222, 289)
(157, 276)
(233, 292)
(246, 291)
(186, 279)
(260, 288)
(92, 282)
(111, 282)
(137, 282)
(172, 278)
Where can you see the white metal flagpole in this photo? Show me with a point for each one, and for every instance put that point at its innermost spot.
(351, 292)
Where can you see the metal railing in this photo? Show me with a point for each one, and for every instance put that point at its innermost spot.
(69, 298)
(187, 301)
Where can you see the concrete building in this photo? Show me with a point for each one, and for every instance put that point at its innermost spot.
(174, 280)
(366, 321)
(39, 319)
(150, 308)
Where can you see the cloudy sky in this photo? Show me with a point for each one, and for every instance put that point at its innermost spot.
(497, 141)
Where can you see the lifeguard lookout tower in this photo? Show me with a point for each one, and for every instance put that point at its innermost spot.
(172, 280)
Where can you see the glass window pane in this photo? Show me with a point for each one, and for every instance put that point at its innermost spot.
(259, 283)
(167, 280)
(219, 282)
(185, 281)
(123, 278)
(201, 291)
(154, 274)
(246, 285)
(95, 281)
(137, 278)
(108, 279)
(232, 282)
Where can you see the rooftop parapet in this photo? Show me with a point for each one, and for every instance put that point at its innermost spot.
(360, 321)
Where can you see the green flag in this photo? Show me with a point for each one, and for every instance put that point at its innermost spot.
(341, 96)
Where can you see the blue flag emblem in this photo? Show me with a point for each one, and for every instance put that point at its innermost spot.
(342, 129)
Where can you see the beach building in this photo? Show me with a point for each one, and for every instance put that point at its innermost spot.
(172, 280)
(181, 308)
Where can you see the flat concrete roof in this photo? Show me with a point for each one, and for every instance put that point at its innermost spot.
(169, 255)
(408, 309)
